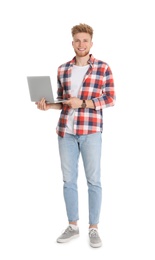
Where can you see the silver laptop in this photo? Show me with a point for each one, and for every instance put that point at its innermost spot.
(41, 87)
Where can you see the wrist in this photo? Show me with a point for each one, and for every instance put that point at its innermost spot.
(83, 103)
(56, 106)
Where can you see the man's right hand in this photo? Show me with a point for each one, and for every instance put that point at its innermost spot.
(42, 105)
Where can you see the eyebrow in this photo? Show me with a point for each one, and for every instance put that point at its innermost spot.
(77, 39)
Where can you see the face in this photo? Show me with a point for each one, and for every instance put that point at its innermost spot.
(82, 44)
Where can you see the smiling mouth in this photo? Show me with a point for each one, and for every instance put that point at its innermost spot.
(81, 49)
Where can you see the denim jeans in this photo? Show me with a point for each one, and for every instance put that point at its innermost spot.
(70, 147)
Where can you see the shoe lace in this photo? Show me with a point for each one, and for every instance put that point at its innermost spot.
(93, 233)
(68, 229)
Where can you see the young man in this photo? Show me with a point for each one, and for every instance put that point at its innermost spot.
(88, 85)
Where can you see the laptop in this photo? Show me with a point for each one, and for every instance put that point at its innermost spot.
(41, 87)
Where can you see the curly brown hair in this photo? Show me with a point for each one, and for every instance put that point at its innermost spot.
(82, 27)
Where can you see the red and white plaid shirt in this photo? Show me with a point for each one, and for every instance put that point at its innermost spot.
(98, 86)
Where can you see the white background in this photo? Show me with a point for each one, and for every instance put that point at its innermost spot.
(35, 39)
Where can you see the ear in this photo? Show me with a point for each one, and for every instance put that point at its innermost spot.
(91, 44)
(72, 43)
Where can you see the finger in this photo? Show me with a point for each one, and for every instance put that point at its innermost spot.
(66, 102)
(41, 103)
(44, 106)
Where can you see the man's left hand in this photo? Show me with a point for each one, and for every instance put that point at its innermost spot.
(73, 102)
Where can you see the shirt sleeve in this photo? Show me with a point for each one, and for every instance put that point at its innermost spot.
(108, 96)
(59, 89)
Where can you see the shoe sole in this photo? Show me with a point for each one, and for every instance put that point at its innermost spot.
(95, 245)
(59, 240)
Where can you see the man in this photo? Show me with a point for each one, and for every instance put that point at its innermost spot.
(88, 85)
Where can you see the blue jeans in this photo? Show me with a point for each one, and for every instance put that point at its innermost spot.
(70, 147)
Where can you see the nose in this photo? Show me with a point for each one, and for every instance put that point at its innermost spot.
(81, 44)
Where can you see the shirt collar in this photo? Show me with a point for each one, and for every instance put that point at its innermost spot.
(90, 61)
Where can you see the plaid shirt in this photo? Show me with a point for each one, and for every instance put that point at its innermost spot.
(98, 86)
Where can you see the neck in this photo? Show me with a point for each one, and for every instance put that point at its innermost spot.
(82, 61)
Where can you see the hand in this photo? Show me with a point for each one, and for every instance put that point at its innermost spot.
(42, 105)
(73, 102)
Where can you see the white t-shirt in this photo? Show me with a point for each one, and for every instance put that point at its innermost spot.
(77, 76)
